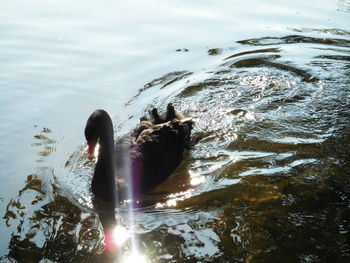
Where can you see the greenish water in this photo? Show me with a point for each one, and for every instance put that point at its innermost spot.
(267, 85)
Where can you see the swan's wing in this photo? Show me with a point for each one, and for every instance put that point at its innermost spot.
(161, 150)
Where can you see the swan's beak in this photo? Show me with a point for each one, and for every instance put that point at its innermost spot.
(91, 149)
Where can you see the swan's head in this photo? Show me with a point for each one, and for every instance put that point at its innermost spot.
(96, 127)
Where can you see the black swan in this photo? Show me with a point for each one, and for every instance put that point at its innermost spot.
(149, 153)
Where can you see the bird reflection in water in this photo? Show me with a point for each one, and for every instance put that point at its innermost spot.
(117, 237)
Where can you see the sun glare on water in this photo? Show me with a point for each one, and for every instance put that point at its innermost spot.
(135, 258)
(120, 235)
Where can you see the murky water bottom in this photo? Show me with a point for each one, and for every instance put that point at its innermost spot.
(268, 181)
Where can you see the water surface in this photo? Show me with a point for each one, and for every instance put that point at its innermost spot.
(267, 85)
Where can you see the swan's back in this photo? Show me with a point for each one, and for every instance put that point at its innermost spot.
(162, 151)
(155, 148)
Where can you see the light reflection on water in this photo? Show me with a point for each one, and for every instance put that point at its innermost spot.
(266, 85)
(120, 234)
(135, 257)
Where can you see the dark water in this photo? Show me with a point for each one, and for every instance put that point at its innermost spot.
(267, 85)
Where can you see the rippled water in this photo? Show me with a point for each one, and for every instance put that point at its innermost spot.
(267, 85)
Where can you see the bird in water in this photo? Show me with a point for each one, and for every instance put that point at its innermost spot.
(146, 156)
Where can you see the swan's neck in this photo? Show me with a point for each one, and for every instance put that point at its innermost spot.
(104, 177)
(106, 151)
